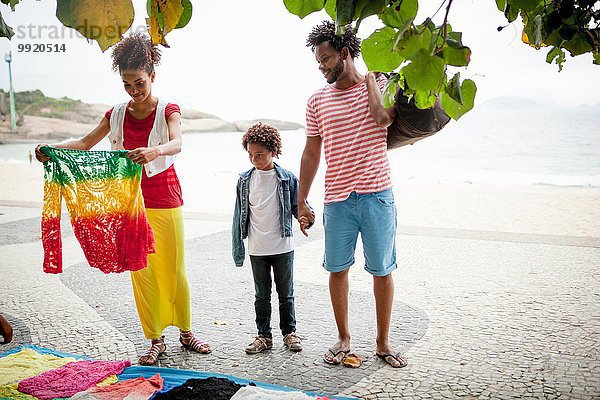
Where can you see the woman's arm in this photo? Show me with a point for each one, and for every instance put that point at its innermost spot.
(144, 155)
(85, 143)
(382, 116)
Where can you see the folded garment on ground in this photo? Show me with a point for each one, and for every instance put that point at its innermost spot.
(202, 389)
(256, 393)
(131, 389)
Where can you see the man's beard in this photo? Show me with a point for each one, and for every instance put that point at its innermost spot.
(336, 72)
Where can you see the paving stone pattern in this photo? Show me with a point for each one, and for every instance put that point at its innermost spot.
(477, 316)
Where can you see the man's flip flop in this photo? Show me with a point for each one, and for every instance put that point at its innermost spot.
(390, 358)
(334, 360)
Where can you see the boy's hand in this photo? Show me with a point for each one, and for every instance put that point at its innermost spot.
(305, 224)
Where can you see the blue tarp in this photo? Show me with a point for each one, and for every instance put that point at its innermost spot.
(172, 377)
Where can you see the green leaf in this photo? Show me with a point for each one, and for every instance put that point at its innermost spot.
(344, 14)
(413, 41)
(11, 3)
(330, 8)
(161, 20)
(501, 4)
(558, 54)
(424, 100)
(511, 13)
(106, 27)
(398, 13)
(454, 109)
(578, 45)
(366, 8)
(389, 94)
(425, 72)
(389, 91)
(459, 56)
(378, 51)
(596, 55)
(302, 8)
(526, 5)
(453, 89)
(5, 30)
(186, 15)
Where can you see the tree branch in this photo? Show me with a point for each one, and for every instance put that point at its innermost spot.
(446, 19)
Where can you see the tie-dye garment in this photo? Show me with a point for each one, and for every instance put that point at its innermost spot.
(71, 378)
(104, 199)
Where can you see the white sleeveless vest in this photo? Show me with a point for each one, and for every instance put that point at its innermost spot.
(158, 135)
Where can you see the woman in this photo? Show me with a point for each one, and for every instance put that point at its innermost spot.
(150, 129)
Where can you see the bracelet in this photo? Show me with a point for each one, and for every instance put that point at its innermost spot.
(159, 151)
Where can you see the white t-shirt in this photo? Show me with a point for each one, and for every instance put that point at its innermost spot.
(264, 230)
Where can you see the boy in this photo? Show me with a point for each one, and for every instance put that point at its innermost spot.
(265, 203)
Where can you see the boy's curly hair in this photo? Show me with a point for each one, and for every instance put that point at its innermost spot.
(135, 52)
(325, 32)
(264, 134)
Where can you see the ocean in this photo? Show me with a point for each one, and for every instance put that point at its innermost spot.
(537, 146)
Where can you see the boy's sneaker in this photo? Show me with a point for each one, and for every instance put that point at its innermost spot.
(260, 343)
(293, 341)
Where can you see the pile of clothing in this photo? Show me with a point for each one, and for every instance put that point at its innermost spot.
(30, 373)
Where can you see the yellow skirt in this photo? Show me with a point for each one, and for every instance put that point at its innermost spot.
(162, 291)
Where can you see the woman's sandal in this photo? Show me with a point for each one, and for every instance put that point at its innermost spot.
(193, 343)
(151, 356)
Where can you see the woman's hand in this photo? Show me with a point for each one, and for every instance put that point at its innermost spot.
(143, 155)
(41, 157)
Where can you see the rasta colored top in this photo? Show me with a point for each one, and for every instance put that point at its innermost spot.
(102, 193)
(162, 190)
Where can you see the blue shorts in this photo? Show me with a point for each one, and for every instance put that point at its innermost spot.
(371, 214)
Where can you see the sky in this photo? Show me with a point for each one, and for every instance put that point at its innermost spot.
(242, 59)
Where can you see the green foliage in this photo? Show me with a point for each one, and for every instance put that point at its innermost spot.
(566, 25)
(11, 3)
(400, 13)
(378, 50)
(423, 55)
(454, 108)
(106, 27)
(35, 103)
(5, 30)
(166, 15)
(302, 8)
(418, 55)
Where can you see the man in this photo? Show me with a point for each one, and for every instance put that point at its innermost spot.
(348, 119)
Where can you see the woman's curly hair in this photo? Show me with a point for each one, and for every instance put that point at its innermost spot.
(264, 134)
(135, 52)
(325, 32)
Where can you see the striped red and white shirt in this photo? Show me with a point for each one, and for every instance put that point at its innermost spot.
(355, 146)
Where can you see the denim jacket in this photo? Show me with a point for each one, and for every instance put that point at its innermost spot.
(288, 206)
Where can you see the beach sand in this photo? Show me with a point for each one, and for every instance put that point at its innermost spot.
(546, 210)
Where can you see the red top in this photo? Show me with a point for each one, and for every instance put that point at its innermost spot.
(162, 190)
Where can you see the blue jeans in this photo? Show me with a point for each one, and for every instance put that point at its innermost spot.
(373, 215)
(283, 275)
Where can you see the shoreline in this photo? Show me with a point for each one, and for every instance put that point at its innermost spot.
(428, 203)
